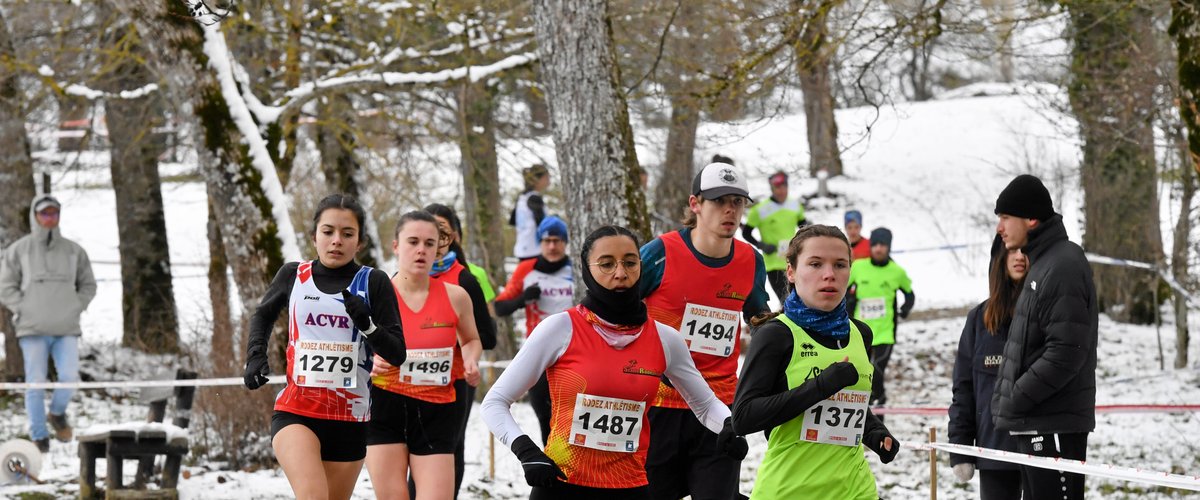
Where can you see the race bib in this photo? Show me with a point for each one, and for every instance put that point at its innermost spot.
(325, 363)
(427, 366)
(709, 330)
(607, 424)
(872, 308)
(838, 420)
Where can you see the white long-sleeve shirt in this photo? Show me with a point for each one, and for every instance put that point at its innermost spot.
(549, 341)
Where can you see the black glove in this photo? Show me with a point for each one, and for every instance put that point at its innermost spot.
(257, 369)
(532, 293)
(836, 377)
(874, 441)
(767, 247)
(540, 470)
(359, 311)
(731, 444)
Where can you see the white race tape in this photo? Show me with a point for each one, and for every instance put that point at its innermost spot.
(1099, 470)
(1100, 259)
(195, 382)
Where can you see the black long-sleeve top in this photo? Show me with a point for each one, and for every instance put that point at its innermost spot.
(388, 338)
(763, 400)
(484, 323)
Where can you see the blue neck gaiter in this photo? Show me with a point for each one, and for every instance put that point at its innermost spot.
(835, 323)
(442, 265)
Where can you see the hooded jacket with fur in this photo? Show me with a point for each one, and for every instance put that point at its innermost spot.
(46, 280)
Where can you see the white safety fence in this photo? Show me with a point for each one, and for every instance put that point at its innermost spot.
(1109, 471)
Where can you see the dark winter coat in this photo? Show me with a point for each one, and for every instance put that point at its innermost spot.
(975, 368)
(1047, 378)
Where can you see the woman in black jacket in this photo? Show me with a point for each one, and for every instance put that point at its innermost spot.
(979, 353)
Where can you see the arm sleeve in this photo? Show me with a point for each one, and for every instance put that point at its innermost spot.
(962, 428)
(10, 278)
(545, 345)
(272, 303)
(756, 303)
(538, 206)
(388, 339)
(484, 324)
(684, 376)
(654, 260)
(510, 299)
(1068, 321)
(85, 281)
(748, 235)
(851, 294)
(906, 307)
(763, 400)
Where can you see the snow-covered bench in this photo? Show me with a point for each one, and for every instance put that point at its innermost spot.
(138, 440)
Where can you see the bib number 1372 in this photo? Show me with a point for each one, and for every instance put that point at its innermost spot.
(838, 420)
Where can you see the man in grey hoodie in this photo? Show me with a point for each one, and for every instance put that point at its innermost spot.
(46, 280)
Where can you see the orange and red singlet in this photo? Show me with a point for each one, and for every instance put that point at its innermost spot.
(705, 304)
(431, 337)
(600, 397)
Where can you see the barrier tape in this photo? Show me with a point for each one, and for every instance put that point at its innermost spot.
(1110, 471)
(1100, 259)
(1099, 409)
(195, 382)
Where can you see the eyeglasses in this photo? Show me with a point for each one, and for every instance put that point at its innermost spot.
(610, 266)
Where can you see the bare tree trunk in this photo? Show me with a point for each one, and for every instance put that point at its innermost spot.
(484, 219)
(16, 182)
(589, 118)
(223, 356)
(1185, 21)
(813, 58)
(147, 294)
(539, 111)
(291, 80)
(673, 189)
(1114, 55)
(336, 140)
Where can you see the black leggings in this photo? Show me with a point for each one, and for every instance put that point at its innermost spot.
(1002, 484)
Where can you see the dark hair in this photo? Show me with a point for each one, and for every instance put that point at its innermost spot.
(718, 158)
(795, 248)
(604, 232)
(1002, 293)
(445, 212)
(344, 202)
(415, 215)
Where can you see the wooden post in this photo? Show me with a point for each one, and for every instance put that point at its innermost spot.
(932, 464)
(491, 379)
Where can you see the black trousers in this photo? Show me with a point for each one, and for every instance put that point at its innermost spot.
(462, 391)
(779, 283)
(1000, 484)
(683, 459)
(880, 355)
(1050, 484)
(539, 399)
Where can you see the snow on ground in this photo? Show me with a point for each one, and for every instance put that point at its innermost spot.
(929, 171)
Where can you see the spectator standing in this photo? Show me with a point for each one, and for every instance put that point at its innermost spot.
(860, 248)
(46, 280)
(1046, 392)
(980, 350)
(529, 211)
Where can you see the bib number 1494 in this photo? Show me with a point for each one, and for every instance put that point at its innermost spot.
(709, 330)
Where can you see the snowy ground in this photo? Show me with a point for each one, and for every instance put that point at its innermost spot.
(928, 171)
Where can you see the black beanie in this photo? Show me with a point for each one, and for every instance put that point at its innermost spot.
(1025, 197)
(881, 236)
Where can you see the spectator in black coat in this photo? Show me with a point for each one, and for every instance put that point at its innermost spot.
(1046, 391)
(979, 353)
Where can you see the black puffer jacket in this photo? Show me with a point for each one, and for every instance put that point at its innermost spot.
(1047, 379)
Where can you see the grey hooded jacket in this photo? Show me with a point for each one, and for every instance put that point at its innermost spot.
(46, 280)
